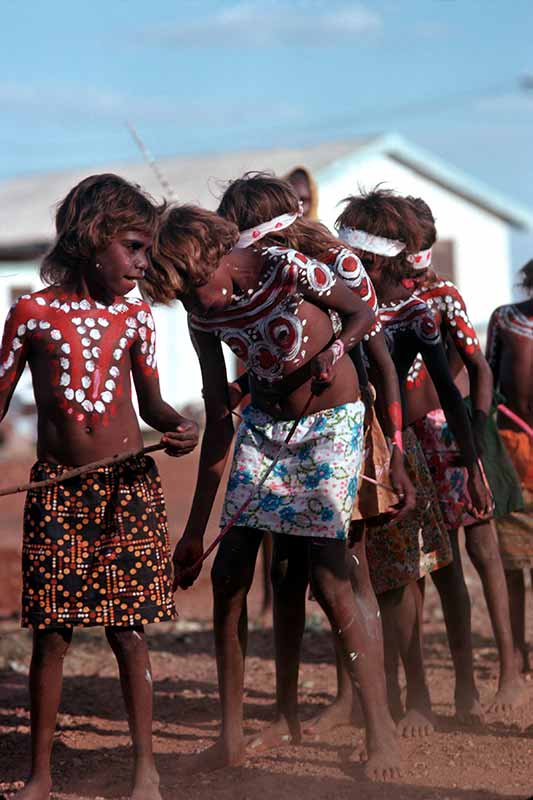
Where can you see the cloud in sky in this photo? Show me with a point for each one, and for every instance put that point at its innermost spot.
(272, 22)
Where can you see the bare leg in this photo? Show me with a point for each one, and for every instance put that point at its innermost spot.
(391, 657)
(290, 577)
(266, 607)
(401, 611)
(131, 651)
(352, 609)
(46, 677)
(450, 584)
(231, 576)
(482, 547)
(341, 711)
(517, 605)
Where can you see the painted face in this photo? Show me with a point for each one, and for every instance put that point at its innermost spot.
(123, 262)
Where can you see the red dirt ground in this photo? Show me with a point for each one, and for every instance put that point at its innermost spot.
(92, 755)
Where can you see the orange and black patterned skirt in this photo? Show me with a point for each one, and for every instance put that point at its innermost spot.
(96, 549)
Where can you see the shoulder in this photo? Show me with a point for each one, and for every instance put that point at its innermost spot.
(31, 305)
(443, 292)
(313, 274)
(413, 314)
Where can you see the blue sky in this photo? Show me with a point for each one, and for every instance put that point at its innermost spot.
(219, 74)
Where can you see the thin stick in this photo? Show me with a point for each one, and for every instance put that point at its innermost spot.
(150, 160)
(516, 419)
(73, 473)
(253, 495)
(378, 483)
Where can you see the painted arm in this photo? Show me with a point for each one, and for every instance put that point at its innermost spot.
(180, 433)
(464, 337)
(494, 346)
(317, 284)
(216, 443)
(384, 377)
(13, 352)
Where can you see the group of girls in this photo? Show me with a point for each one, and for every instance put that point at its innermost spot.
(356, 451)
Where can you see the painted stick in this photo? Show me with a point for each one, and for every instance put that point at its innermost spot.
(73, 473)
(516, 419)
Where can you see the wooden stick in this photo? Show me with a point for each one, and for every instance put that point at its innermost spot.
(118, 458)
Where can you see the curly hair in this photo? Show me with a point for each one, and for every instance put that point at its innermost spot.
(260, 196)
(426, 220)
(383, 213)
(89, 217)
(187, 250)
(526, 277)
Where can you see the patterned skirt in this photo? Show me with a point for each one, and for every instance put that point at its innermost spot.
(401, 552)
(312, 488)
(451, 481)
(515, 530)
(96, 549)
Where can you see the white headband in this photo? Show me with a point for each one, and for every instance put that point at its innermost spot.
(421, 260)
(252, 235)
(373, 244)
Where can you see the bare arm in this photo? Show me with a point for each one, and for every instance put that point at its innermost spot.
(216, 444)
(181, 434)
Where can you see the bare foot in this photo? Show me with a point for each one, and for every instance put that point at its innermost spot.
(274, 735)
(416, 723)
(509, 696)
(218, 756)
(384, 759)
(468, 710)
(333, 716)
(35, 789)
(146, 787)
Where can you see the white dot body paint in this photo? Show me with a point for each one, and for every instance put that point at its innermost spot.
(135, 633)
(147, 673)
(356, 559)
(354, 656)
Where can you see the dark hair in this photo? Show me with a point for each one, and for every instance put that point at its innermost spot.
(426, 220)
(260, 196)
(526, 277)
(92, 214)
(383, 213)
(187, 250)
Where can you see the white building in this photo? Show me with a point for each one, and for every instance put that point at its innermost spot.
(474, 223)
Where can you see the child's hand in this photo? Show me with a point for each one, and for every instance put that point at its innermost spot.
(402, 486)
(235, 394)
(188, 551)
(482, 501)
(322, 372)
(181, 441)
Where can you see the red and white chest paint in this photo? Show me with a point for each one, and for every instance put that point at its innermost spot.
(347, 266)
(507, 319)
(263, 327)
(449, 309)
(84, 344)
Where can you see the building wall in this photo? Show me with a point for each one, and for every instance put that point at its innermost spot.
(481, 241)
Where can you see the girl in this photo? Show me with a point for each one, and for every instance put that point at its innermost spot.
(386, 234)
(440, 447)
(270, 304)
(95, 548)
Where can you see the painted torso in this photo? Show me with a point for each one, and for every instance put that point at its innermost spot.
(347, 266)
(510, 354)
(78, 351)
(266, 327)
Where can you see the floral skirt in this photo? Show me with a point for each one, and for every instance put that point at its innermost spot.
(401, 552)
(96, 549)
(515, 530)
(312, 488)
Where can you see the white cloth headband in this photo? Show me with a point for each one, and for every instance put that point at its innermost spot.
(373, 244)
(252, 235)
(421, 260)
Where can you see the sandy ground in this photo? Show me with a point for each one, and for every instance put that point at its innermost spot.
(92, 755)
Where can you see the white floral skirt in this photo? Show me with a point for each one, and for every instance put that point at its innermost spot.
(312, 488)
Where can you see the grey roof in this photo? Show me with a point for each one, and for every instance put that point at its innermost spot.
(27, 203)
